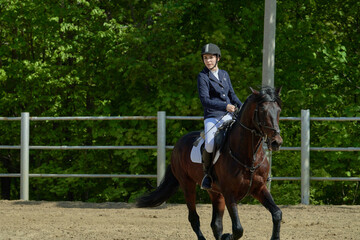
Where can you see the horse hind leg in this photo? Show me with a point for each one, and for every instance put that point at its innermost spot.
(193, 217)
(195, 224)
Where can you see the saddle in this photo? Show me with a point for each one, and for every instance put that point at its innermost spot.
(221, 135)
(219, 139)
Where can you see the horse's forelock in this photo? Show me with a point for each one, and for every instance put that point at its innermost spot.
(268, 94)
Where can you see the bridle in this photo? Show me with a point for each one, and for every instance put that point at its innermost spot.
(262, 125)
(258, 125)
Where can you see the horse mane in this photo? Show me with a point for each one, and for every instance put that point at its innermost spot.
(266, 94)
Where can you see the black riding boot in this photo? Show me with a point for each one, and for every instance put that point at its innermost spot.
(207, 161)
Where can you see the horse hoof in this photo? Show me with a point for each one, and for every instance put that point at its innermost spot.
(227, 236)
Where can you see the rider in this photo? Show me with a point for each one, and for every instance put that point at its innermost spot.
(219, 102)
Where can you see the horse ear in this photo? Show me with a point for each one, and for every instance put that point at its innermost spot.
(278, 90)
(254, 91)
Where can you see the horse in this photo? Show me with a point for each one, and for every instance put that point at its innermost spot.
(242, 168)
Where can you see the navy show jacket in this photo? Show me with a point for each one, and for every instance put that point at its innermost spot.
(216, 94)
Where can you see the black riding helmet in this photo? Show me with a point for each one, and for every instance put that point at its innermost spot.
(211, 48)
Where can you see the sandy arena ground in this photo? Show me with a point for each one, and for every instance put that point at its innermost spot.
(77, 220)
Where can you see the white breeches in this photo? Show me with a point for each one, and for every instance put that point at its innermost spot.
(211, 126)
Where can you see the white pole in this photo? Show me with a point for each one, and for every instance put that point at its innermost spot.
(24, 155)
(269, 43)
(269, 55)
(161, 145)
(305, 156)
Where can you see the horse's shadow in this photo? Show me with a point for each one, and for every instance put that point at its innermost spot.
(78, 204)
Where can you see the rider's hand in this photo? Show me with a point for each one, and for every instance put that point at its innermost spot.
(230, 108)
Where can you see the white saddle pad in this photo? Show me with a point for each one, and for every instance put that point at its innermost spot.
(195, 154)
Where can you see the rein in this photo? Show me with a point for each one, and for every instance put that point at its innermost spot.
(251, 168)
(255, 148)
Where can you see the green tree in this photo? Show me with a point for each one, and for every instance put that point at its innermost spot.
(128, 58)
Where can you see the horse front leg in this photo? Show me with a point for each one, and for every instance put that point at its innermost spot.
(264, 196)
(237, 229)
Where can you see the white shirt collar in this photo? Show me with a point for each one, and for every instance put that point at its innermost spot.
(216, 73)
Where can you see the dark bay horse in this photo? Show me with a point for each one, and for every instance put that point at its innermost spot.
(242, 168)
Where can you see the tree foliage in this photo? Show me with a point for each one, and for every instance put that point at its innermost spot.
(128, 58)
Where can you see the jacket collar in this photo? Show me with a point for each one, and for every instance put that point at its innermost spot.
(213, 78)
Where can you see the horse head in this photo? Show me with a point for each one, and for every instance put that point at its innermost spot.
(264, 106)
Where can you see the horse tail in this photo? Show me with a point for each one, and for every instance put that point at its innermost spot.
(169, 185)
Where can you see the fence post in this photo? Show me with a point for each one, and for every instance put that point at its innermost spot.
(24, 156)
(305, 156)
(161, 145)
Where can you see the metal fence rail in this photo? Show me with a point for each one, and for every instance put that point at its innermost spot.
(24, 148)
(161, 149)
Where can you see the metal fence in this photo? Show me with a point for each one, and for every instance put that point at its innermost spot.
(161, 149)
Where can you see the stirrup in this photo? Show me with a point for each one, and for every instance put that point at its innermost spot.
(206, 182)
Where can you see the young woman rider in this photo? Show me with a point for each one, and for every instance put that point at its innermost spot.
(219, 102)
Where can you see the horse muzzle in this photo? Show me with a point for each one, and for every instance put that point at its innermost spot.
(274, 143)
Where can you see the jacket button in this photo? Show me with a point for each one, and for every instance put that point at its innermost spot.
(223, 95)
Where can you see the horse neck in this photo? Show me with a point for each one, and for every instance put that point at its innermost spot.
(243, 141)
